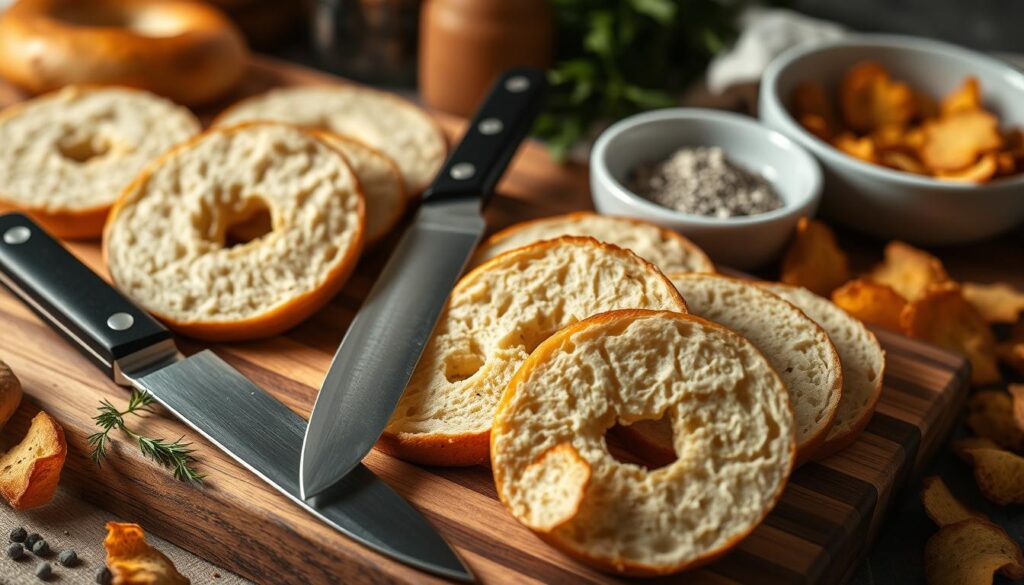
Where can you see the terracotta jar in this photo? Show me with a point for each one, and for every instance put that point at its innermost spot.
(465, 44)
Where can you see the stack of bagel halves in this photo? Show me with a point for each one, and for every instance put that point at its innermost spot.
(572, 337)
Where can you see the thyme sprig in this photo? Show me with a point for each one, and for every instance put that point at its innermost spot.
(176, 456)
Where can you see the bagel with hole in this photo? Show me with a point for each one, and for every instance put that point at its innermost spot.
(65, 156)
(166, 243)
(735, 440)
(497, 314)
(186, 51)
(666, 249)
(796, 347)
(392, 125)
(863, 362)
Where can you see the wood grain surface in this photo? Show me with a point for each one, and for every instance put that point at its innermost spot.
(821, 527)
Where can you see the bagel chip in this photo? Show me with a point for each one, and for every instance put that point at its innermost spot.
(990, 414)
(132, 561)
(970, 553)
(812, 108)
(814, 259)
(999, 474)
(944, 318)
(997, 302)
(870, 99)
(941, 506)
(955, 142)
(909, 271)
(966, 98)
(871, 302)
(30, 470)
(862, 148)
(979, 172)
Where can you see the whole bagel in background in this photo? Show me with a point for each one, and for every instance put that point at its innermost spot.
(166, 243)
(186, 51)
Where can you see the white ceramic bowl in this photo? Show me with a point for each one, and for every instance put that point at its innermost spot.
(886, 202)
(739, 242)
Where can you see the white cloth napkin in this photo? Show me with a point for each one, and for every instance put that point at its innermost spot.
(764, 34)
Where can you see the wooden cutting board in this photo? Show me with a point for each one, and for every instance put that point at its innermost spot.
(823, 524)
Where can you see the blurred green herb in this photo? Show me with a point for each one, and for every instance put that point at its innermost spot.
(618, 57)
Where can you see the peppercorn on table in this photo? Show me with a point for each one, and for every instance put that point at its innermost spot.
(822, 526)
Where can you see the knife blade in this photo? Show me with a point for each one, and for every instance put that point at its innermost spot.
(380, 350)
(208, 395)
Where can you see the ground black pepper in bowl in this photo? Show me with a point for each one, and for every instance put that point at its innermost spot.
(702, 181)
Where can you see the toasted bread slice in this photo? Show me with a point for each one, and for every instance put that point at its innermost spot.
(735, 454)
(30, 470)
(495, 317)
(65, 156)
(666, 249)
(798, 349)
(392, 125)
(863, 363)
(166, 241)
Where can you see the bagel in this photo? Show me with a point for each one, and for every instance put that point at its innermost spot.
(863, 363)
(65, 156)
(553, 471)
(495, 316)
(186, 51)
(392, 125)
(165, 242)
(797, 348)
(666, 249)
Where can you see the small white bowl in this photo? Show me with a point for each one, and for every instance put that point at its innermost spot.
(882, 201)
(739, 242)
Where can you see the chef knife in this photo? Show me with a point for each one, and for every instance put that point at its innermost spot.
(207, 394)
(377, 356)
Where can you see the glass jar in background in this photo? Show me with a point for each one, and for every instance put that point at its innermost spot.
(465, 44)
(373, 41)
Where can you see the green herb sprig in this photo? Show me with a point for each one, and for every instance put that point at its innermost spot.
(176, 456)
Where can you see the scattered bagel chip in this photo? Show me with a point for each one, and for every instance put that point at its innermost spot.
(901, 161)
(999, 474)
(860, 148)
(909, 271)
(944, 318)
(871, 302)
(814, 259)
(955, 142)
(997, 302)
(970, 553)
(30, 470)
(990, 416)
(941, 505)
(132, 561)
(870, 99)
(980, 172)
(966, 98)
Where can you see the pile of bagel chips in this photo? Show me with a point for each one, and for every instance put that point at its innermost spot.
(911, 292)
(884, 121)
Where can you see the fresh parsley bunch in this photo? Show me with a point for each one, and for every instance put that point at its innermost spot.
(618, 57)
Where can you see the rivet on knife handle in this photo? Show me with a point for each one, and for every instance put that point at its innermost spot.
(491, 137)
(104, 325)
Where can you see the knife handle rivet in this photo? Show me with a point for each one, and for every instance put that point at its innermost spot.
(17, 235)
(490, 126)
(462, 171)
(517, 84)
(120, 321)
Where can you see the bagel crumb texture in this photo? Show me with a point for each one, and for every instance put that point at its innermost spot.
(734, 436)
(77, 148)
(495, 317)
(165, 243)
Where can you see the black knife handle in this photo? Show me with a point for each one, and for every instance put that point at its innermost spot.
(492, 137)
(72, 299)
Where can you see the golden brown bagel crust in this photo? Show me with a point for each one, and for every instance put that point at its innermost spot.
(267, 324)
(622, 566)
(47, 44)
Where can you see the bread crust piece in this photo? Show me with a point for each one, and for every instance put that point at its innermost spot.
(495, 315)
(281, 315)
(809, 367)
(410, 136)
(71, 198)
(688, 257)
(544, 406)
(34, 485)
(186, 51)
(850, 419)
